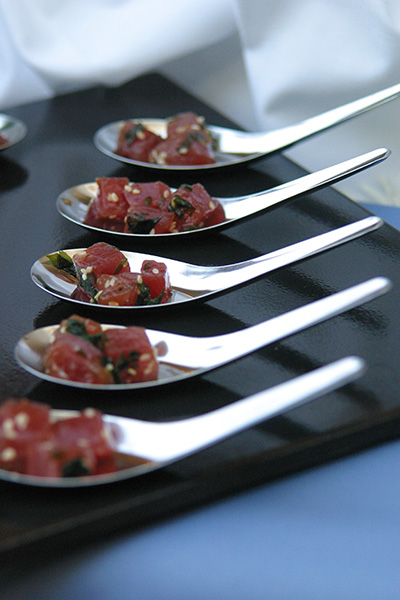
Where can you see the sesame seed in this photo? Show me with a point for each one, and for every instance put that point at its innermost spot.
(166, 193)
(140, 279)
(106, 435)
(8, 454)
(21, 420)
(128, 188)
(132, 371)
(183, 150)
(9, 429)
(89, 412)
(155, 271)
(149, 368)
(113, 303)
(211, 205)
(136, 191)
(113, 197)
(144, 356)
(159, 157)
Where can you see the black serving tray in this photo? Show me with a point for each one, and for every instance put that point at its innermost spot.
(58, 153)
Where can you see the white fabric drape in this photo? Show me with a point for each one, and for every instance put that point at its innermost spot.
(263, 63)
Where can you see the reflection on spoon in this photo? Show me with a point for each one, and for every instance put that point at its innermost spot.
(235, 147)
(12, 131)
(183, 356)
(190, 282)
(144, 446)
(73, 203)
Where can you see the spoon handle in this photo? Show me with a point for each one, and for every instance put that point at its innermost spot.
(245, 206)
(248, 340)
(227, 276)
(163, 442)
(204, 353)
(254, 143)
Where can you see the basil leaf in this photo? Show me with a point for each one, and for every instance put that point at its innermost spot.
(131, 135)
(140, 223)
(88, 286)
(75, 468)
(179, 205)
(123, 363)
(192, 136)
(144, 296)
(121, 265)
(78, 329)
(62, 261)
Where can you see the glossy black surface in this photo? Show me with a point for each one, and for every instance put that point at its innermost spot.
(58, 153)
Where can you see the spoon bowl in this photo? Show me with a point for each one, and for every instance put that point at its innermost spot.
(196, 282)
(237, 147)
(12, 129)
(73, 203)
(144, 446)
(182, 356)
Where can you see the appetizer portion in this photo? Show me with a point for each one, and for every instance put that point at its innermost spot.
(104, 277)
(188, 142)
(33, 444)
(151, 208)
(82, 351)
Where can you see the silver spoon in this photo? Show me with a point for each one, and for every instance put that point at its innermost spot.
(73, 203)
(12, 129)
(182, 356)
(144, 446)
(190, 282)
(235, 147)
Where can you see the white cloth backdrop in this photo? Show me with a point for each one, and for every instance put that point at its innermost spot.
(263, 63)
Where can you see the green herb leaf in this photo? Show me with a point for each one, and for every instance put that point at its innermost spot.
(78, 328)
(88, 285)
(75, 468)
(140, 223)
(122, 363)
(131, 135)
(121, 265)
(144, 296)
(179, 205)
(62, 261)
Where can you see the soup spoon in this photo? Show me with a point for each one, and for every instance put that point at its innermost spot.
(12, 129)
(236, 147)
(191, 282)
(144, 446)
(73, 203)
(182, 356)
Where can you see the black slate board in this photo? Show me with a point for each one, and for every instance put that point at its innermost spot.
(58, 153)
